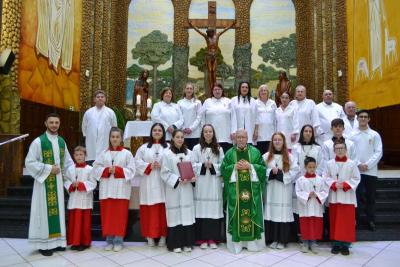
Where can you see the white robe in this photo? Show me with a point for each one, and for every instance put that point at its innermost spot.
(328, 153)
(117, 188)
(191, 116)
(168, 115)
(217, 112)
(266, 119)
(152, 188)
(308, 207)
(278, 203)
(348, 172)
(38, 223)
(244, 115)
(287, 123)
(327, 113)
(96, 126)
(208, 190)
(179, 201)
(80, 200)
(348, 127)
(307, 113)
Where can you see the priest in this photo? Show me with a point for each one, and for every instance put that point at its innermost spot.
(243, 170)
(46, 161)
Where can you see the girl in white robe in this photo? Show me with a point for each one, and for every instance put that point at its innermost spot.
(311, 192)
(281, 171)
(190, 107)
(287, 121)
(244, 111)
(207, 158)
(217, 112)
(114, 168)
(153, 221)
(80, 185)
(179, 200)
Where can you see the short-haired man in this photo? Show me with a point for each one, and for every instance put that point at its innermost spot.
(350, 120)
(368, 145)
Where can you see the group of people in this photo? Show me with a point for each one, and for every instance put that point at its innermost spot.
(258, 169)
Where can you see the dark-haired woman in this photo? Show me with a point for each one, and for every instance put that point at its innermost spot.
(207, 157)
(153, 222)
(178, 196)
(244, 111)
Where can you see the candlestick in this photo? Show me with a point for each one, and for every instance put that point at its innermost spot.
(149, 113)
(137, 111)
(149, 103)
(138, 99)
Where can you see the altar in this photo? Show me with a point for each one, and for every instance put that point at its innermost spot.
(137, 129)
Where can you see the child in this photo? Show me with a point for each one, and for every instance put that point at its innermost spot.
(311, 192)
(80, 204)
(342, 177)
(207, 158)
(114, 167)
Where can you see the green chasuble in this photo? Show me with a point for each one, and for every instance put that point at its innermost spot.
(53, 214)
(244, 197)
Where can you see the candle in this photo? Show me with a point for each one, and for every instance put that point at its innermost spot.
(138, 99)
(149, 103)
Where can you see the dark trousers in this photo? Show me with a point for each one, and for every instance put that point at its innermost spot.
(191, 142)
(263, 146)
(366, 192)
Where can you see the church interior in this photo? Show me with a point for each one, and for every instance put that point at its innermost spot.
(55, 54)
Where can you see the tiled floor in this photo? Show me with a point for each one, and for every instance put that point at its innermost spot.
(17, 252)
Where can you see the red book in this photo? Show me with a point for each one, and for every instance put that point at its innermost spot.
(185, 170)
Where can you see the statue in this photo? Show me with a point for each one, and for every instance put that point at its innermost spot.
(142, 88)
(284, 86)
(211, 36)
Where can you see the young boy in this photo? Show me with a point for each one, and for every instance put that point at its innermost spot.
(311, 192)
(80, 204)
(342, 177)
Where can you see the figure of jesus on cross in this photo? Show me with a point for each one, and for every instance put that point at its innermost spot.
(211, 36)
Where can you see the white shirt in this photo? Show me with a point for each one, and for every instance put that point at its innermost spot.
(307, 206)
(349, 126)
(80, 199)
(96, 126)
(327, 113)
(168, 115)
(328, 152)
(307, 113)
(217, 112)
(287, 123)
(191, 116)
(300, 152)
(266, 119)
(368, 144)
(243, 115)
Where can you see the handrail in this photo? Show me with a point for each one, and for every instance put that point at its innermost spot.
(14, 139)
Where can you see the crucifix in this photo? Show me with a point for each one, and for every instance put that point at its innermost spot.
(211, 36)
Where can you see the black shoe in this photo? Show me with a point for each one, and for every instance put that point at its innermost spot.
(335, 250)
(81, 248)
(372, 226)
(46, 252)
(74, 247)
(59, 249)
(345, 251)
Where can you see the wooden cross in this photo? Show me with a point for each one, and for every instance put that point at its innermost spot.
(212, 22)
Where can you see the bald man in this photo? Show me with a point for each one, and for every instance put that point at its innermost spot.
(350, 118)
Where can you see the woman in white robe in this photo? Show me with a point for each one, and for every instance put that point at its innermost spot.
(167, 113)
(281, 171)
(114, 168)
(207, 158)
(179, 200)
(287, 121)
(190, 107)
(244, 111)
(153, 221)
(217, 112)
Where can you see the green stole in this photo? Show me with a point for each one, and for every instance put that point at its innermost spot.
(53, 211)
(244, 211)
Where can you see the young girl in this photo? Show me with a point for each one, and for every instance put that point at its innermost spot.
(281, 171)
(80, 186)
(311, 192)
(207, 158)
(115, 167)
(148, 157)
(178, 196)
(342, 177)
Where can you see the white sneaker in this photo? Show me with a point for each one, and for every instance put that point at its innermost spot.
(213, 246)
(313, 248)
(303, 248)
(177, 250)
(117, 248)
(273, 245)
(109, 247)
(150, 242)
(162, 242)
(280, 246)
(187, 249)
(204, 245)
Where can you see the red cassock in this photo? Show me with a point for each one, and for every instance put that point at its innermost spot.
(311, 228)
(153, 221)
(79, 227)
(342, 222)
